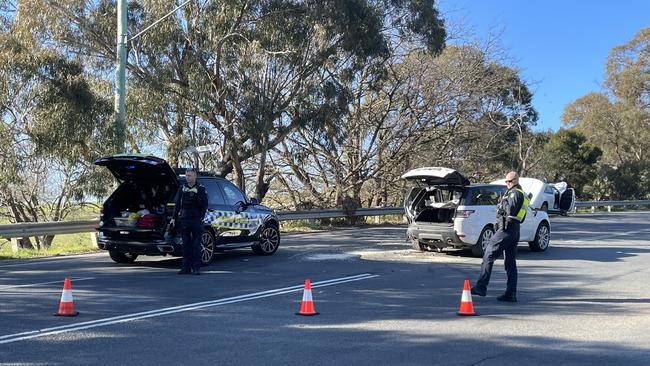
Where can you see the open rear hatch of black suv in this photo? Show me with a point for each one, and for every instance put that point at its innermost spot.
(146, 183)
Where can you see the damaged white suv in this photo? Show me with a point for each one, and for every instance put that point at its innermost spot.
(444, 210)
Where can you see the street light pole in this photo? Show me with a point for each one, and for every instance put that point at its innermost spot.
(120, 77)
(120, 72)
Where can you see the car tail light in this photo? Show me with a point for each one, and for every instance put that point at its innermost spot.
(464, 213)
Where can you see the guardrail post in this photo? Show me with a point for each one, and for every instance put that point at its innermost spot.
(609, 208)
(93, 239)
(14, 244)
(593, 209)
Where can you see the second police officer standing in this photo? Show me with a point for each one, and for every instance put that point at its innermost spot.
(511, 212)
(191, 203)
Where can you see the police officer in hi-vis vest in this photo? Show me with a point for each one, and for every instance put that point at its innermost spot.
(191, 203)
(511, 212)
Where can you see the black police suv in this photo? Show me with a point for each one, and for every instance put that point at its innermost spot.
(134, 219)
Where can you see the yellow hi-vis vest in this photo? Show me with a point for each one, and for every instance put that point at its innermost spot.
(521, 215)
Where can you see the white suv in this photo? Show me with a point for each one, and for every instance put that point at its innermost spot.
(554, 198)
(444, 210)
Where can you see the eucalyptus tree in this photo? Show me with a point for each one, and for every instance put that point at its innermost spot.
(617, 119)
(237, 76)
(48, 129)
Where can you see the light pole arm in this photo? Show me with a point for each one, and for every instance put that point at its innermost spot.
(159, 20)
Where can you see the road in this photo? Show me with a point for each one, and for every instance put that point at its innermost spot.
(584, 301)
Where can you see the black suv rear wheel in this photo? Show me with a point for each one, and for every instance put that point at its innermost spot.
(118, 257)
(208, 247)
(269, 241)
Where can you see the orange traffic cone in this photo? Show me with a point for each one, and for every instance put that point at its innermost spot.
(66, 306)
(307, 305)
(466, 306)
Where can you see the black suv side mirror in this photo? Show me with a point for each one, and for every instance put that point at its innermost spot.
(239, 207)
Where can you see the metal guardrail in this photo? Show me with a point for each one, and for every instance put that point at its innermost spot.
(612, 203)
(331, 213)
(23, 230)
(31, 229)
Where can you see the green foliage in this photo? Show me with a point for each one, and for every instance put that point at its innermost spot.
(49, 131)
(618, 121)
(628, 181)
(570, 158)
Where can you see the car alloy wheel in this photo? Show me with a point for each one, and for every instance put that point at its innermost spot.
(483, 239)
(269, 241)
(207, 247)
(543, 237)
(486, 236)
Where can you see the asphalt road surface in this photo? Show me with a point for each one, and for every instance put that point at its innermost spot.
(585, 301)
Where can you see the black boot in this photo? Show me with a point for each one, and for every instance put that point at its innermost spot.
(197, 271)
(507, 297)
(478, 292)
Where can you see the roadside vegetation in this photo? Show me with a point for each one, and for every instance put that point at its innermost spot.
(303, 104)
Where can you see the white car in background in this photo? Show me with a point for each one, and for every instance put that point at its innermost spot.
(554, 198)
(444, 210)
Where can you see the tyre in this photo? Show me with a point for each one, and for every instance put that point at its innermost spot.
(544, 207)
(118, 257)
(542, 238)
(479, 248)
(269, 240)
(418, 246)
(208, 247)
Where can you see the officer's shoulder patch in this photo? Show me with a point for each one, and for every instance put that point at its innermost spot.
(513, 195)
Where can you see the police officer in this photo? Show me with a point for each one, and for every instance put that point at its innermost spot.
(191, 204)
(511, 212)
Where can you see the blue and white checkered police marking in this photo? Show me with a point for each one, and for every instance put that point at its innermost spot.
(231, 220)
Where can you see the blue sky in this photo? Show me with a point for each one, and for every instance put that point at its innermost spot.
(560, 46)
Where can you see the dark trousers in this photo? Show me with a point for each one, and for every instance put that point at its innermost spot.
(503, 241)
(191, 232)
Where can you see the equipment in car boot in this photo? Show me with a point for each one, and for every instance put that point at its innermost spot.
(149, 221)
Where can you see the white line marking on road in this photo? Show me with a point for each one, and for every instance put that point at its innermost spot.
(175, 309)
(73, 279)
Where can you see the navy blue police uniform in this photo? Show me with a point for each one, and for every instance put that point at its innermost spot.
(191, 203)
(511, 212)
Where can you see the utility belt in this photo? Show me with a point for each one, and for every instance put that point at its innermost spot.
(503, 222)
(190, 213)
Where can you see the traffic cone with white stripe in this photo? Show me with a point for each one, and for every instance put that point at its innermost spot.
(466, 306)
(307, 305)
(66, 306)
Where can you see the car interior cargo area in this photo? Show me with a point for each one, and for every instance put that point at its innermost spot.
(435, 204)
(139, 205)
